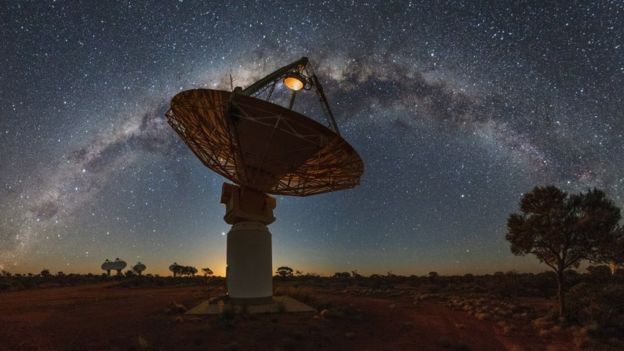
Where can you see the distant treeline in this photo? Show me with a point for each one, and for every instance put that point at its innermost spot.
(510, 284)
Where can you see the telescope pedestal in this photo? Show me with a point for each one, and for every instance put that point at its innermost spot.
(249, 271)
(249, 264)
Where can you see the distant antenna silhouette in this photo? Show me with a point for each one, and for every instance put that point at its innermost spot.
(107, 266)
(118, 265)
(139, 268)
(264, 148)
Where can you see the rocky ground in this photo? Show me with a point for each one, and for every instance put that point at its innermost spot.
(108, 317)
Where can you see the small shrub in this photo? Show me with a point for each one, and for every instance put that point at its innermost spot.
(455, 345)
(226, 318)
(281, 308)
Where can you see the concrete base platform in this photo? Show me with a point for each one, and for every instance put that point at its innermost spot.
(280, 304)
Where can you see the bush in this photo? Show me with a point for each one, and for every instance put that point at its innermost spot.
(579, 300)
(599, 307)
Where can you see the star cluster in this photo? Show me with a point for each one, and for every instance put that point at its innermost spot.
(456, 108)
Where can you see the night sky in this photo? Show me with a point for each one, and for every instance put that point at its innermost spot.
(456, 110)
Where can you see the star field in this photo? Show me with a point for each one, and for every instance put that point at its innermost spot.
(456, 109)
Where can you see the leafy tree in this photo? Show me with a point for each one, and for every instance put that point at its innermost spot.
(285, 272)
(179, 270)
(561, 230)
(176, 269)
(190, 270)
(45, 273)
(207, 272)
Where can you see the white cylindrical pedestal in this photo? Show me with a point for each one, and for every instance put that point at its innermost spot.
(249, 265)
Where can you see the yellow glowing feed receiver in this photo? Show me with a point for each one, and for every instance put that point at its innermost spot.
(294, 82)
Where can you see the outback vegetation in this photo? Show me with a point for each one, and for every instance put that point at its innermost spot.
(575, 305)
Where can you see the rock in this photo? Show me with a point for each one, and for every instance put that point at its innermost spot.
(142, 343)
(543, 333)
(542, 323)
(482, 316)
(324, 314)
(176, 308)
(505, 312)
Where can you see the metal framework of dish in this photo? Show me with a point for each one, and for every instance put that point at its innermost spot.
(265, 146)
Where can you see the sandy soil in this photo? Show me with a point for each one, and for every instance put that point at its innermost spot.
(101, 317)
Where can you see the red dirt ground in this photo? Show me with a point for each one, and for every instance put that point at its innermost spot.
(101, 317)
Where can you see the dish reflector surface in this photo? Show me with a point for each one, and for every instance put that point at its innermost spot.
(264, 146)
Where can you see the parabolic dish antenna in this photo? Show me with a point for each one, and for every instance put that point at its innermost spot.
(139, 268)
(263, 147)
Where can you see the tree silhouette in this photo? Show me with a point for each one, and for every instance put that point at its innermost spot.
(176, 269)
(285, 272)
(45, 273)
(179, 270)
(561, 230)
(207, 271)
(189, 270)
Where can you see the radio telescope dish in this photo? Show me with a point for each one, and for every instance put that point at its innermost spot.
(118, 265)
(139, 268)
(262, 145)
(107, 266)
(264, 148)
